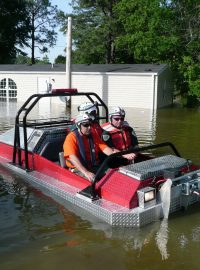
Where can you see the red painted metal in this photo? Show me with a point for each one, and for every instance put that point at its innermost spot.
(64, 90)
(121, 189)
(51, 169)
(46, 167)
(6, 151)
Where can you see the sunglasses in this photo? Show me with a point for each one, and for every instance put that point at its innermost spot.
(119, 118)
(86, 125)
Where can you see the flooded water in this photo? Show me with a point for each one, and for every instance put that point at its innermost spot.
(38, 233)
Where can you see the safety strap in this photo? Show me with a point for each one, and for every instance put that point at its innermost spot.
(82, 149)
(92, 151)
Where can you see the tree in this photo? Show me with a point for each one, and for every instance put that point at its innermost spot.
(22, 59)
(147, 34)
(44, 60)
(42, 17)
(188, 24)
(60, 59)
(93, 30)
(135, 31)
(14, 28)
(163, 31)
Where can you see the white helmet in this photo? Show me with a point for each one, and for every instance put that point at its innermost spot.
(116, 111)
(88, 107)
(83, 118)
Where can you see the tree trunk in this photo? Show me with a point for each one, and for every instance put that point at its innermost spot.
(110, 44)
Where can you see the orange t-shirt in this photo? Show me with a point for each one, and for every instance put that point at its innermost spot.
(71, 147)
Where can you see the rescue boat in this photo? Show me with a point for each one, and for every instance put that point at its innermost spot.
(129, 196)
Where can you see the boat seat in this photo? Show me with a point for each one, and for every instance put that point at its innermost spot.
(52, 149)
(62, 160)
(50, 142)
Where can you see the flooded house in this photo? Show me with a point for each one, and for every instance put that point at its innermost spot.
(148, 86)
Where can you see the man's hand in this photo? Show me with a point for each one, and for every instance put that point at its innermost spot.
(90, 176)
(130, 156)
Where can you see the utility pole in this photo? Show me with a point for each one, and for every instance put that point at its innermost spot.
(68, 53)
(68, 58)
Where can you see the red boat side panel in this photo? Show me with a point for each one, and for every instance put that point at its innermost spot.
(121, 189)
(6, 151)
(64, 175)
(42, 165)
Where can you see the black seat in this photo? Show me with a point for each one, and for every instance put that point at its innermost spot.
(52, 149)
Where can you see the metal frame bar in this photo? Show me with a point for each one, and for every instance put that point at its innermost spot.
(29, 105)
(119, 154)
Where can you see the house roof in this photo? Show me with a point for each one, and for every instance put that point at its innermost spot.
(116, 68)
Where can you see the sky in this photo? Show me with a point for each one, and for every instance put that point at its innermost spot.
(61, 38)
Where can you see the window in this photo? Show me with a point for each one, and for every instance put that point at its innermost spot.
(8, 90)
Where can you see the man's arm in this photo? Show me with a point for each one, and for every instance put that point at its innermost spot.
(76, 162)
(107, 138)
(108, 151)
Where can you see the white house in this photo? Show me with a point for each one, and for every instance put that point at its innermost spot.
(148, 86)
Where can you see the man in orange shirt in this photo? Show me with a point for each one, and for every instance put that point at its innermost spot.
(82, 147)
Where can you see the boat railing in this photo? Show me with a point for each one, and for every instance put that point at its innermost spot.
(28, 106)
(41, 123)
(91, 190)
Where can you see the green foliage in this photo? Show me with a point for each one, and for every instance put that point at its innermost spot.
(135, 31)
(192, 76)
(94, 30)
(45, 60)
(60, 59)
(14, 26)
(188, 14)
(26, 23)
(148, 35)
(22, 59)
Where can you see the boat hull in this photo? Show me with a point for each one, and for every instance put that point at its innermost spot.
(106, 211)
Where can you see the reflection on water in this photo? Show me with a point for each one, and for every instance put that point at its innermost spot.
(144, 123)
(183, 241)
(162, 239)
(196, 234)
(7, 115)
(181, 127)
(34, 228)
(162, 234)
(44, 111)
(141, 238)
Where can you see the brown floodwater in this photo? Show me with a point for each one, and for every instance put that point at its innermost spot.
(38, 233)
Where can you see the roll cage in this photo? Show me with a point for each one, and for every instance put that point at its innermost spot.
(28, 106)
